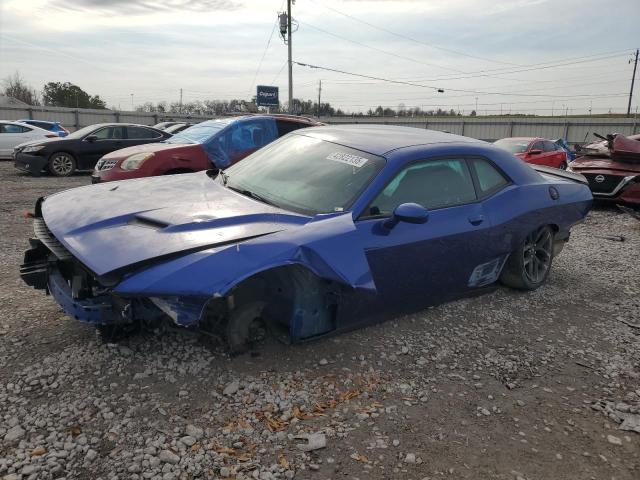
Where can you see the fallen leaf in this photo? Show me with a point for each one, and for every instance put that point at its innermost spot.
(284, 463)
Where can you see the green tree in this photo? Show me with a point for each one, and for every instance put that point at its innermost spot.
(15, 86)
(69, 95)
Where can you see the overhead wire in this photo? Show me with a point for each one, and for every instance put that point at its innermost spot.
(401, 82)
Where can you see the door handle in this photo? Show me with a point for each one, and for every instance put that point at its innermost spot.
(476, 220)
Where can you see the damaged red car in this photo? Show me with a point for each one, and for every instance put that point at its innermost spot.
(535, 150)
(612, 167)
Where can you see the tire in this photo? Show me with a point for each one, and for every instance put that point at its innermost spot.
(117, 332)
(245, 327)
(528, 267)
(563, 166)
(62, 164)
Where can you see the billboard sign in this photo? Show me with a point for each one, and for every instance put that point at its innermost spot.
(267, 96)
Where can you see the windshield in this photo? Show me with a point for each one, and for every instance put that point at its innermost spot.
(198, 133)
(304, 174)
(83, 131)
(513, 146)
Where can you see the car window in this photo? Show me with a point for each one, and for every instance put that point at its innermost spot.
(549, 146)
(286, 126)
(9, 128)
(538, 146)
(432, 184)
(110, 133)
(490, 179)
(141, 133)
(240, 139)
(43, 125)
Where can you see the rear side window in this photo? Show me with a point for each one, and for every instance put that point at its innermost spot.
(285, 126)
(538, 146)
(109, 133)
(490, 179)
(9, 128)
(549, 146)
(140, 133)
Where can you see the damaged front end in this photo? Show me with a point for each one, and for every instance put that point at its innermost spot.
(49, 266)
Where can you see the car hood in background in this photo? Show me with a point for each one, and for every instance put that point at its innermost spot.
(111, 226)
(151, 148)
(41, 141)
(591, 163)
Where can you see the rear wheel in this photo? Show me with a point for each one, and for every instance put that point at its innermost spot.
(528, 267)
(62, 164)
(563, 166)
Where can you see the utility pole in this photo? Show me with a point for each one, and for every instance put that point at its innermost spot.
(633, 79)
(319, 96)
(180, 109)
(476, 105)
(290, 62)
(132, 102)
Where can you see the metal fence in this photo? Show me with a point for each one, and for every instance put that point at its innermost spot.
(574, 129)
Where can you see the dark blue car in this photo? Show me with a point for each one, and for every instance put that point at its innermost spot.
(326, 229)
(54, 127)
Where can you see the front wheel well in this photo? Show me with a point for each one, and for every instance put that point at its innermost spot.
(295, 303)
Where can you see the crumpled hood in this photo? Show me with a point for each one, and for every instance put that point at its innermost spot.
(116, 225)
(590, 163)
(151, 148)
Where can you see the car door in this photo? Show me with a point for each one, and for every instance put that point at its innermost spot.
(12, 135)
(536, 158)
(6, 140)
(100, 142)
(416, 265)
(556, 155)
(140, 135)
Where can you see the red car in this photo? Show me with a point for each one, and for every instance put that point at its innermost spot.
(612, 168)
(215, 143)
(538, 151)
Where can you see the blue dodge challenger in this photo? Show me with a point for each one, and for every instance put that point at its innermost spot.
(324, 230)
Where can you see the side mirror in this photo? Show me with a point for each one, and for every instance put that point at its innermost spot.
(91, 138)
(409, 213)
(535, 152)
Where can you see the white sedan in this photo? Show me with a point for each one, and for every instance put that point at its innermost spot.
(15, 133)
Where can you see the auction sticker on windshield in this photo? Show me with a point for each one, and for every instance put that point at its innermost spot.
(353, 160)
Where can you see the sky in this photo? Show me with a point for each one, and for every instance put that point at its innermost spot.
(527, 56)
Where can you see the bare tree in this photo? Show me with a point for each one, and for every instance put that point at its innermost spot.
(15, 86)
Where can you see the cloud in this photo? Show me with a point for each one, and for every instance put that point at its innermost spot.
(146, 6)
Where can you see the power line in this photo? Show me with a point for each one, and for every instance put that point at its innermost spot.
(264, 54)
(400, 82)
(406, 37)
(376, 48)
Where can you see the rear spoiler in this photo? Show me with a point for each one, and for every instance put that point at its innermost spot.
(564, 174)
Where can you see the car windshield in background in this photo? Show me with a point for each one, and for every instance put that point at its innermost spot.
(304, 174)
(198, 133)
(513, 146)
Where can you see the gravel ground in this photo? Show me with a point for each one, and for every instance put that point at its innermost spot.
(541, 385)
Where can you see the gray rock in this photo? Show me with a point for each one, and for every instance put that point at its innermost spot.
(410, 458)
(614, 440)
(167, 456)
(231, 388)
(195, 432)
(14, 433)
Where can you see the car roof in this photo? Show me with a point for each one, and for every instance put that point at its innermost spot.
(523, 139)
(27, 120)
(116, 124)
(382, 139)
